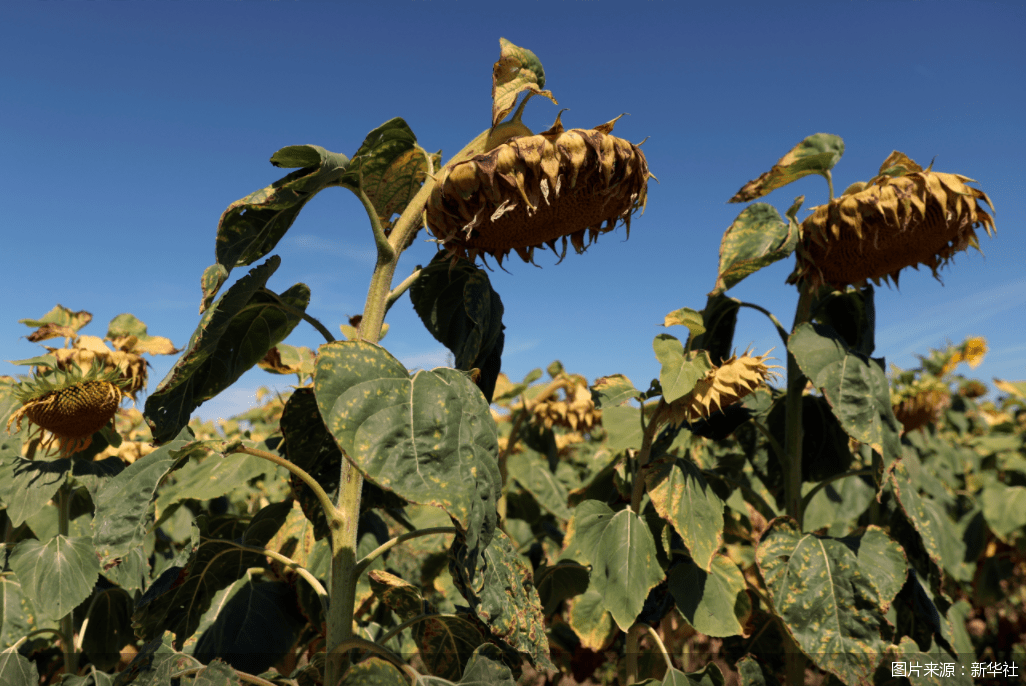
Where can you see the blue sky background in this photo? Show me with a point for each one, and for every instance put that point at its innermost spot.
(127, 129)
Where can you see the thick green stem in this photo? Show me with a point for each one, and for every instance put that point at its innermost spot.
(68, 620)
(793, 431)
(795, 659)
(633, 634)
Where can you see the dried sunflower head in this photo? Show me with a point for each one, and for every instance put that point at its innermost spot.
(575, 410)
(533, 190)
(921, 402)
(972, 388)
(723, 386)
(70, 404)
(129, 365)
(904, 217)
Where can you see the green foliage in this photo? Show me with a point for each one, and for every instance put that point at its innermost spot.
(799, 527)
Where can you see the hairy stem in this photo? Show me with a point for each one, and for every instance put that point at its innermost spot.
(404, 285)
(68, 620)
(321, 495)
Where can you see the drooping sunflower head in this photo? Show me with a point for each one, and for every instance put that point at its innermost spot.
(904, 217)
(69, 404)
(723, 386)
(920, 402)
(533, 190)
(575, 410)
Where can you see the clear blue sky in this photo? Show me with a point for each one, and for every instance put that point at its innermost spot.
(129, 127)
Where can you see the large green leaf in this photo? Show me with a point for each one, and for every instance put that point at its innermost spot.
(57, 575)
(178, 598)
(213, 477)
(720, 319)
(591, 621)
(123, 505)
(499, 588)
(855, 386)
(826, 598)
(16, 614)
(683, 497)
(756, 239)
(464, 313)
(390, 168)
(610, 391)
(532, 472)
(17, 670)
(110, 626)
(517, 70)
(927, 669)
(229, 340)
(446, 644)
(817, 154)
(680, 371)
(841, 502)
(1004, 508)
(255, 629)
(251, 227)
(622, 554)
(715, 602)
(851, 314)
(560, 582)
(935, 528)
(430, 439)
(26, 486)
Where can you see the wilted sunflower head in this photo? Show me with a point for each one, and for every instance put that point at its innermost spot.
(920, 402)
(904, 217)
(723, 386)
(68, 403)
(533, 190)
(575, 410)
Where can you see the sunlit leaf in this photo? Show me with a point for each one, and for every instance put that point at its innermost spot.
(756, 239)
(817, 154)
(517, 70)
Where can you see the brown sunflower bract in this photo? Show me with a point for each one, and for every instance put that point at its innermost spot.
(904, 217)
(533, 190)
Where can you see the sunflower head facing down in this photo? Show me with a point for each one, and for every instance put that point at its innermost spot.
(534, 190)
(70, 404)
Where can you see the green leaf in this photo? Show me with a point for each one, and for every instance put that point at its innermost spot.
(1004, 508)
(178, 598)
(825, 597)
(852, 314)
(16, 670)
(855, 386)
(110, 626)
(26, 486)
(213, 477)
(402, 597)
(560, 582)
(229, 340)
(719, 318)
(213, 278)
(683, 497)
(756, 239)
(936, 529)
(685, 316)
(123, 505)
(715, 603)
(622, 554)
(57, 575)
(499, 588)
(591, 621)
(485, 668)
(373, 672)
(517, 70)
(751, 673)
(680, 372)
(882, 560)
(430, 439)
(610, 391)
(909, 654)
(16, 614)
(464, 313)
(251, 227)
(623, 428)
(446, 644)
(841, 502)
(390, 168)
(817, 154)
(255, 629)
(534, 475)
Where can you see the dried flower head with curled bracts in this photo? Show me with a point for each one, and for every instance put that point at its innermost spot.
(69, 404)
(532, 190)
(723, 386)
(904, 217)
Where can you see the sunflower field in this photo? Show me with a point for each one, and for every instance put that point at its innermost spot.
(825, 520)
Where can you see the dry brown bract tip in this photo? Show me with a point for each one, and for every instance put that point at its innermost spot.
(904, 217)
(533, 190)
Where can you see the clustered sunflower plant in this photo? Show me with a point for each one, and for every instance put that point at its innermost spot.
(452, 526)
